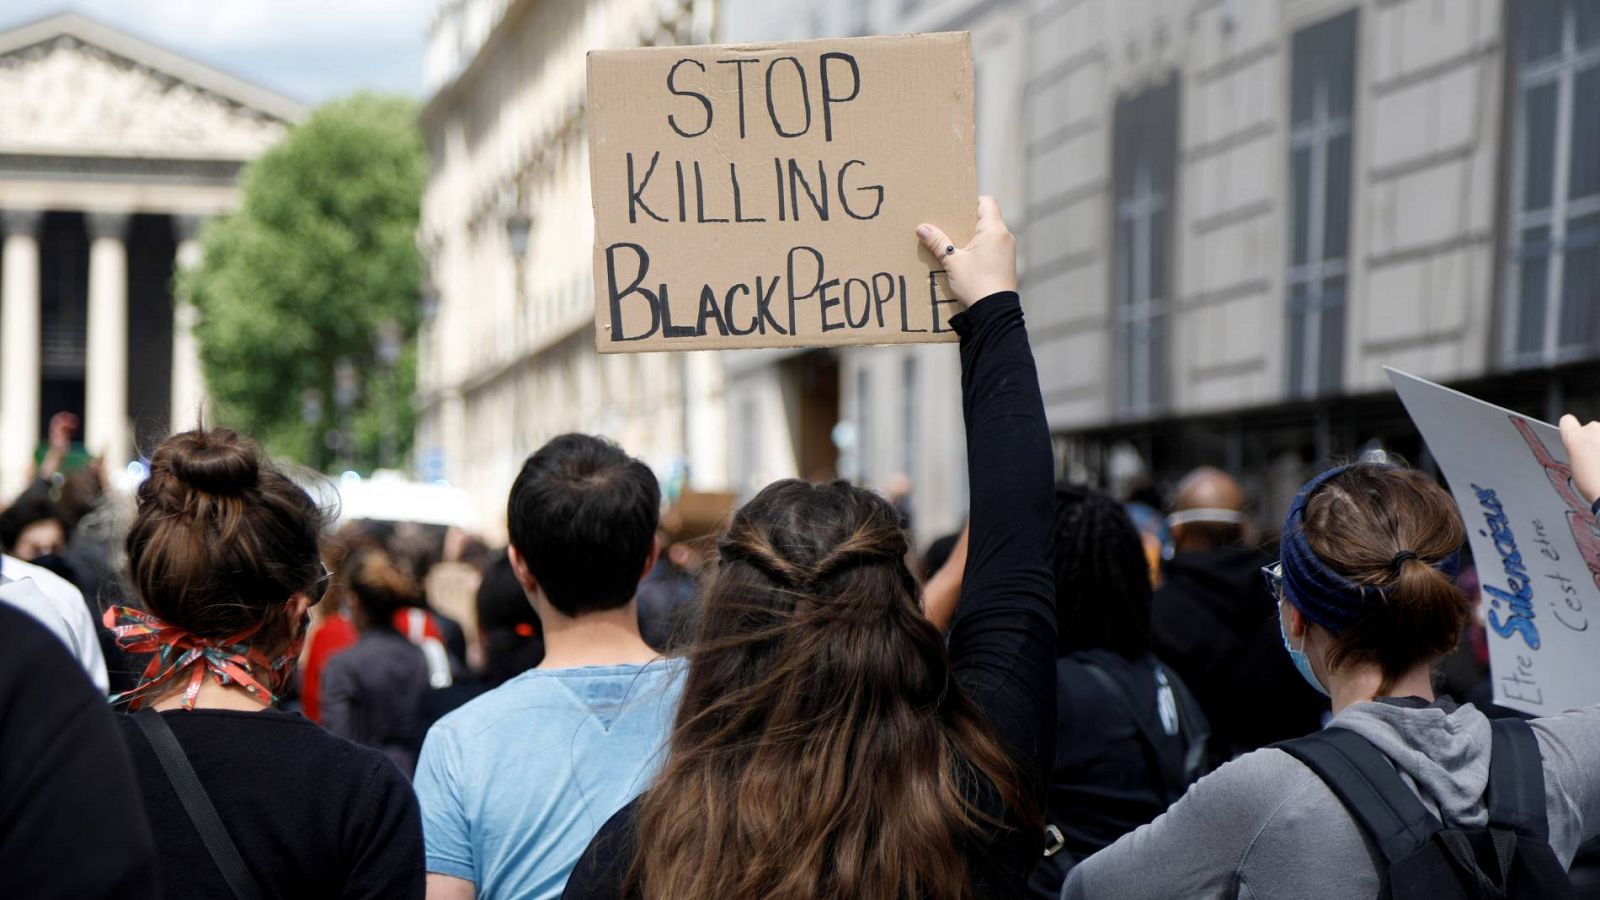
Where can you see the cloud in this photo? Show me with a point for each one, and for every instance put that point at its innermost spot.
(275, 23)
(311, 49)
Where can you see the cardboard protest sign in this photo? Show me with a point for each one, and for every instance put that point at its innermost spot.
(1534, 540)
(768, 195)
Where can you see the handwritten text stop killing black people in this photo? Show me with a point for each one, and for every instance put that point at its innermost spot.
(762, 105)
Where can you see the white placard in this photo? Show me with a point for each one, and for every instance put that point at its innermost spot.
(1534, 538)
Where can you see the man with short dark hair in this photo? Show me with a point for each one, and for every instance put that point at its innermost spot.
(514, 784)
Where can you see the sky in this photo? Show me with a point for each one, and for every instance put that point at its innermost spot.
(310, 50)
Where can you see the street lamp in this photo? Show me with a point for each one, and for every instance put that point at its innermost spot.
(518, 224)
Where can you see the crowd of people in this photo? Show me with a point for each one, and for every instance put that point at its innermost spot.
(803, 707)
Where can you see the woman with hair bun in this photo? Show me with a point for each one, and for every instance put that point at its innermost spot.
(245, 800)
(1368, 604)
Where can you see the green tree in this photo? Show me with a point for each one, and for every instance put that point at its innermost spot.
(306, 278)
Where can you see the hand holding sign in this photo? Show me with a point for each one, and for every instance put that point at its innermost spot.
(986, 265)
(1526, 500)
(1583, 448)
(764, 195)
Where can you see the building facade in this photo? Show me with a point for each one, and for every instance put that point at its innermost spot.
(113, 151)
(506, 355)
(1233, 214)
(1239, 211)
(885, 417)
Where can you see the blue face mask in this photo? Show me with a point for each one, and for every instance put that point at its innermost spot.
(1302, 663)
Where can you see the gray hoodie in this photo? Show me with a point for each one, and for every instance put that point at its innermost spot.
(1265, 826)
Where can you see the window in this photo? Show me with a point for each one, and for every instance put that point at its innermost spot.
(1553, 263)
(1145, 142)
(1322, 106)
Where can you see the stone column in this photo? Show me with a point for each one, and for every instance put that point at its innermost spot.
(188, 384)
(19, 350)
(105, 426)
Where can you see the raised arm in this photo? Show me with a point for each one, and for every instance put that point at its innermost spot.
(1002, 640)
(62, 425)
(943, 590)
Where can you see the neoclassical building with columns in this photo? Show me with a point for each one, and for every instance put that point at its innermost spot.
(113, 153)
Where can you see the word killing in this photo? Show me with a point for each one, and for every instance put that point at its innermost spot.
(791, 190)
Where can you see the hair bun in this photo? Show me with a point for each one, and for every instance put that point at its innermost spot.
(216, 461)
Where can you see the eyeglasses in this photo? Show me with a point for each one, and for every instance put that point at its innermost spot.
(320, 588)
(1274, 575)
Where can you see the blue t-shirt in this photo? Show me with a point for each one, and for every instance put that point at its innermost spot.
(514, 784)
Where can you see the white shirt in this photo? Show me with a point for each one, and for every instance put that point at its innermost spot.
(59, 606)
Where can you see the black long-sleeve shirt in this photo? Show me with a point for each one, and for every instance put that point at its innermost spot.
(376, 694)
(71, 821)
(1002, 642)
(313, 815)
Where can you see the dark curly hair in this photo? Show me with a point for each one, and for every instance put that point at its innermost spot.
(1102, 577)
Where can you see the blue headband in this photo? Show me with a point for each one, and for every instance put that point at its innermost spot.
(1321, 594)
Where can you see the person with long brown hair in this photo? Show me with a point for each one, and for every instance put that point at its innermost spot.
(828, 744)
(1368, 604)
(244, 799)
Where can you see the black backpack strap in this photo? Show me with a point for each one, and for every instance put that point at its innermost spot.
(1193, 726)
(198, 804)
(1518, 817)
(1516, 781)
(1370, 788)
(1172, 783)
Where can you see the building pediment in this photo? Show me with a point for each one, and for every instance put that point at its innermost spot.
(70, 86)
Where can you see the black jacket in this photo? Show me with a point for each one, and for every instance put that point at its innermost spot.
(376, 694)
(1119, 761)
(314, 816)
(1216, 623)
(72, 823)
